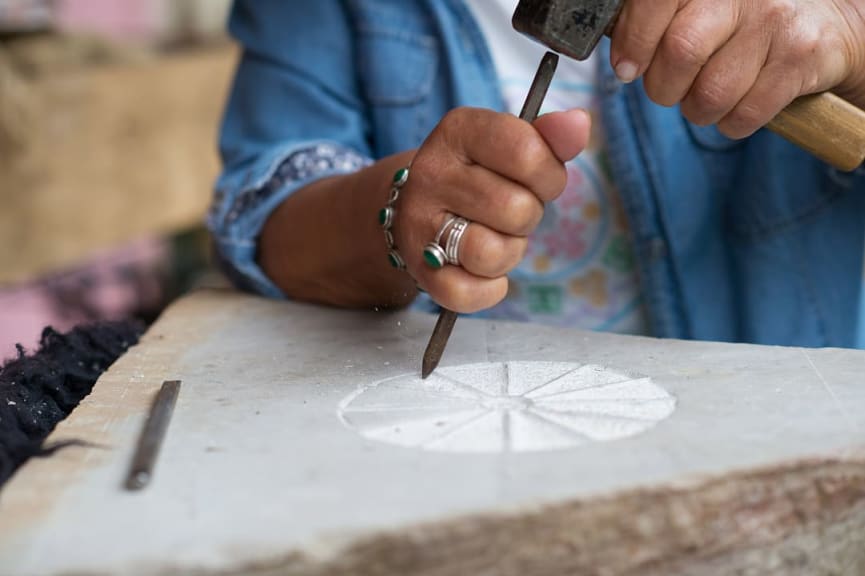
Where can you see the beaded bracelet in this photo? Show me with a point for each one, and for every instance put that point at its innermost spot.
(386, 217)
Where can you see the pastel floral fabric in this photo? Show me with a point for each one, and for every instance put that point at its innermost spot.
(580, 269)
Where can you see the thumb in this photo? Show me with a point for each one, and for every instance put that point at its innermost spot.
(566, 133)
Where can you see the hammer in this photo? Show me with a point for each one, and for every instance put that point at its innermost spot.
(825, 125)
(828, 127)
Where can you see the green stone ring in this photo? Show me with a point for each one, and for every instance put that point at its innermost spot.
(435, 256)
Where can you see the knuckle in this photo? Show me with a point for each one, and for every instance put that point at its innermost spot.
(796, 67)
(455, 118)
(805, 44)
(684, 48)
(639, 42)
(709, 96)
(743, 121)
(449, 121)
(529, 154)
(492, 255)
(538, 169)
(811, 40)
(810, 83)
(520, 213)
(633, 40)
(779, 11)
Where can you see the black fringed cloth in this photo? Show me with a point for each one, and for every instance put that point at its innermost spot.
(38, 391)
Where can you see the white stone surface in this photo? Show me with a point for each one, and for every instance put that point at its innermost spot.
(497, 407)
(258, 468)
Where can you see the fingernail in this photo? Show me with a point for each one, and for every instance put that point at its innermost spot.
(627, 71)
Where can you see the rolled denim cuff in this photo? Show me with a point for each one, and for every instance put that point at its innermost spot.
(245, 198)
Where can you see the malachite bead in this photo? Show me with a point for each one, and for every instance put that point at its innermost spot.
(395, 260)
(385, 217)
(434, 256)
(401, 177)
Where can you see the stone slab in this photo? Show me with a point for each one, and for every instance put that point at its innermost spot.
(303, 443)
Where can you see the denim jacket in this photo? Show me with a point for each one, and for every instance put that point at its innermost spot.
(749, 240)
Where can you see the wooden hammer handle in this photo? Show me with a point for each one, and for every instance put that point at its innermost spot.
(827, 126)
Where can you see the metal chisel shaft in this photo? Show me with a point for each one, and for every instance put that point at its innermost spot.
(447, 318)
(152, 435)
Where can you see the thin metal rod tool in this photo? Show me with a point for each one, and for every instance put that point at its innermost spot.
(152, 435)
(447, 318)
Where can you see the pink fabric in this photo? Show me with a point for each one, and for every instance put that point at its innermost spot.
(23, 314)
(112, 286)
(122, 19)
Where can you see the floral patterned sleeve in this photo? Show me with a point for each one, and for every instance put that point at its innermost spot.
(236, 219)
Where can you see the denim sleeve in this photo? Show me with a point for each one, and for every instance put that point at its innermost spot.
(295, 115)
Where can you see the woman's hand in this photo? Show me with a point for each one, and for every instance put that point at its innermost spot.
(496, 171)
(324, 243)
(738, 63)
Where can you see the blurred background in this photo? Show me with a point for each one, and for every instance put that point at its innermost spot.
(109, 111)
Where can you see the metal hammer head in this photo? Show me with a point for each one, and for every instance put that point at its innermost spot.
(571, 27)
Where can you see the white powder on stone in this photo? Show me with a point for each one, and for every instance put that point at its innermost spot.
(507, 407)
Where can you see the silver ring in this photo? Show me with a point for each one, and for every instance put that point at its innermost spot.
(454, 239)
(434, 253)
(444, 228)
(445, 248)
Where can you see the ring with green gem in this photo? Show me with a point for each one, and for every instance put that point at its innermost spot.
(435, 256)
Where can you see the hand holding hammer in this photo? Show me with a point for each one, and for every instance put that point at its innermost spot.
(696, 54)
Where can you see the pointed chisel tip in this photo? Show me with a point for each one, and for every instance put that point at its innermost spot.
(429, 364)
(426, 369)
(438, 342)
